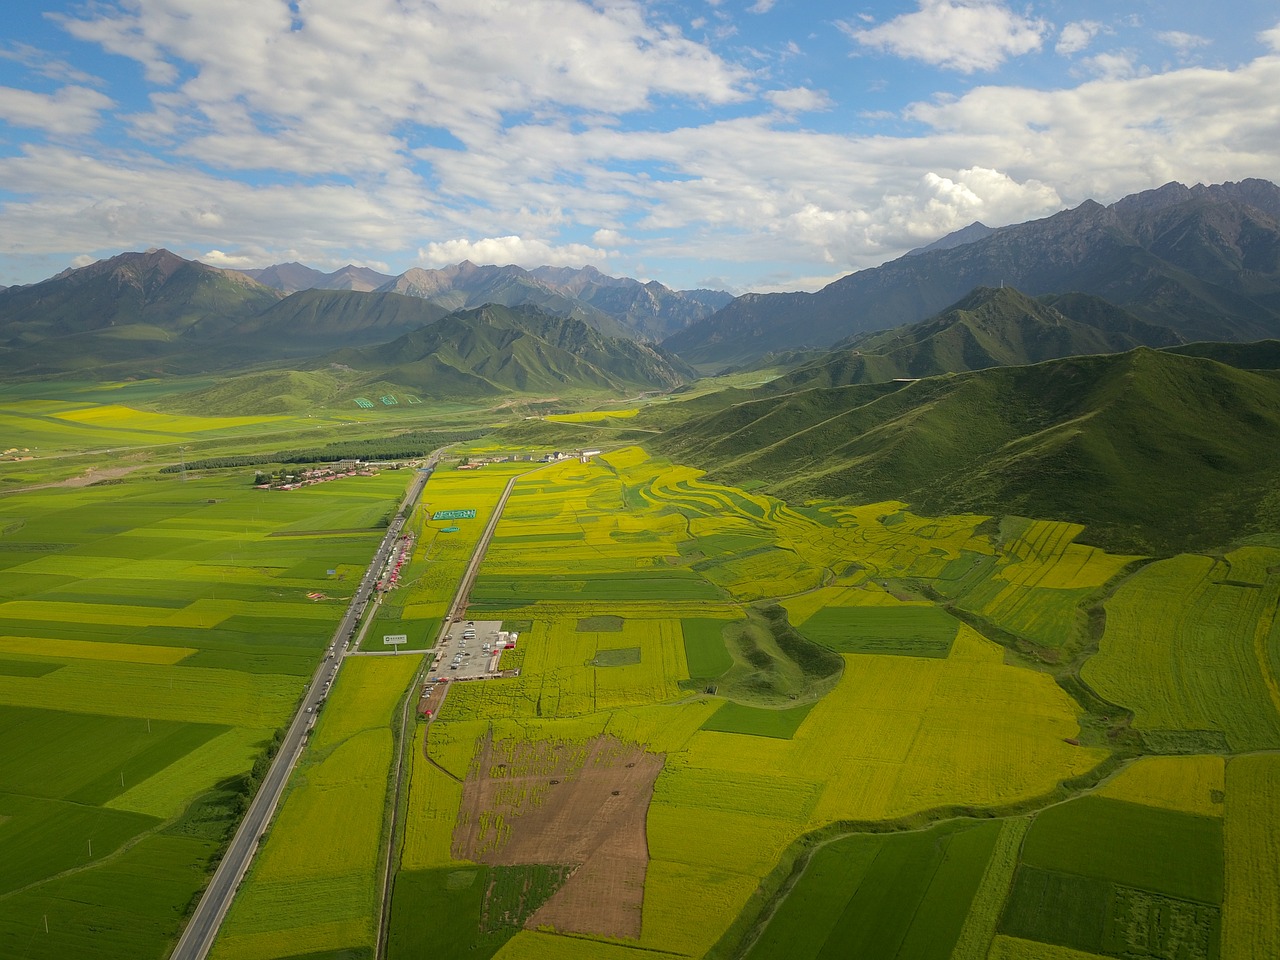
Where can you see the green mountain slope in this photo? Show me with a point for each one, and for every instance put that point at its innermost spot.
(497, 349)
(990, 327)
(1152, 450)
(155, 289)
(310, 321)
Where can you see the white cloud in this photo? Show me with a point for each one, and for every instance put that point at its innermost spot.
(334, 90)
(964, 35)
(761, 6)
(608, 238)
(1116, 65)
(47, 66)
(503, 250)
(70, 110)
(1184, 43)
(1077, 36)
(1271, 38)
(799, 100)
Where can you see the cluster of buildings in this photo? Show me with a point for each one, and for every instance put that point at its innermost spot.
(475, 463)
(314, 475)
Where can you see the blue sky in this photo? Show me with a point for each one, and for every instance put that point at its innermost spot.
(740, 144)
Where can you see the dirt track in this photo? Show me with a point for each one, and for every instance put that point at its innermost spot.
(578, 804)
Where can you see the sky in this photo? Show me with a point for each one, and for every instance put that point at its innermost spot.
(745, 145)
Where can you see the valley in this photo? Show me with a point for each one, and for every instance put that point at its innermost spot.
(950, 635)
(836, 695)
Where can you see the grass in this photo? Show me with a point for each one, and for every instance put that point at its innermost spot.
(1251, 913)
(340, 794)
(758, 721)
(438, 913)
(898, 896)
(1164, 851)
(704, 648)
(915, 631)
(1186, 647)
(163, 634)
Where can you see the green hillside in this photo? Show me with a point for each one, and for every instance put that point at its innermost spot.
(306, 322)
(990, 327)
(1153, 451)
(494, 350)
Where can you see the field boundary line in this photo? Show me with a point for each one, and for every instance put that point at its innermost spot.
(459, 603)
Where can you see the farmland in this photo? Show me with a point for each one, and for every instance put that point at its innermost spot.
(638, 587)
(314, 882)
(748, 728)
(155, 632)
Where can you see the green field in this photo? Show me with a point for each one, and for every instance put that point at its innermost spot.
(880, 734)
(899, 896)
(1110, 877)
(154, 632)
(915, 631)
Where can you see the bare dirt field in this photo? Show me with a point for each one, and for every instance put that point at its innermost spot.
(581, 805)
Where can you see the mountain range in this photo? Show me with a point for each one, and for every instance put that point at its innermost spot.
(616, 306)
(1203, 261)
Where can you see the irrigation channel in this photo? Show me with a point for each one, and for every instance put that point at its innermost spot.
(203, 926)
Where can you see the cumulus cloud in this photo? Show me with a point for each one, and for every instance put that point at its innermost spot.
(1077, 36)
(330, 88)
(799, 100)
(518, 250)
(1271, 38)
(964, 35)
(605, 237)
(1115, 65)
(1184, 43)
(70, 110)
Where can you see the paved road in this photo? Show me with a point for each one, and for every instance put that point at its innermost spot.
(456, 610)
(199, 934)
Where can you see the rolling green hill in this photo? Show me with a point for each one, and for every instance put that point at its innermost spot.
(990, 327)
(497, 349)
(1154, 451)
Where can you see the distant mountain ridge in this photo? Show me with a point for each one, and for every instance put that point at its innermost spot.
(293, 277)
(1202, 260)
(616, 306)
(155, 313)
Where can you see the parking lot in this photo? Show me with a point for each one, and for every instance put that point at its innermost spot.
(469, 651)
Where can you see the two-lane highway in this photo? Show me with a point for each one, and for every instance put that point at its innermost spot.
(199, 934)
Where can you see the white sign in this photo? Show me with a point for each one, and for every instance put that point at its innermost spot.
(395, 638)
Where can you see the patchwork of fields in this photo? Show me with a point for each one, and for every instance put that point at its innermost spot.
(829, 730)
(643, 598)
(154, 635)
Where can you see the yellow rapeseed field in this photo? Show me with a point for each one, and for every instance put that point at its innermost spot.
(93, 650)
(1251, 909)
(1190, 784)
